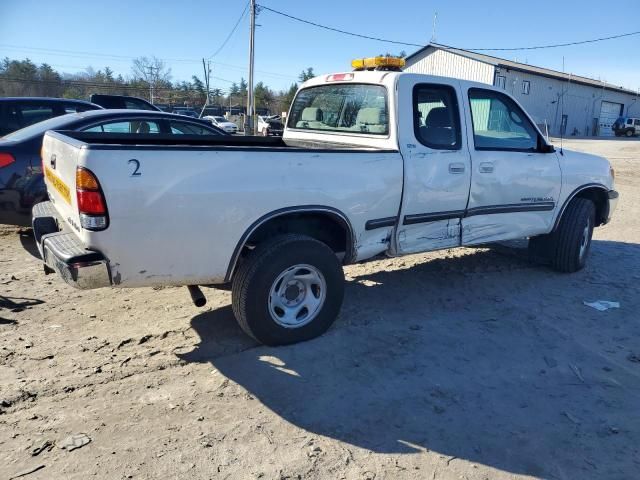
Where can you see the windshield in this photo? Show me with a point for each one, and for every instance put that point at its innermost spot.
(220, 119)
(353, 108)
(41, 127)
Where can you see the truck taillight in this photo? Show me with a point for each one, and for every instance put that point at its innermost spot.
(6, 159)
(91, 202)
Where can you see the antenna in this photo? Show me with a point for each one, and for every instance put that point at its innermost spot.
(562, 125)
(433, 28)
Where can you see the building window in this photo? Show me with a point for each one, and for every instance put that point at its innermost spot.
(501, 81)
(526, 87)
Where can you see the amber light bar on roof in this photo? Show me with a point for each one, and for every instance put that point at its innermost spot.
(378, 63)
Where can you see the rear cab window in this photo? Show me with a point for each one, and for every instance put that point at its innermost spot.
(348, 108)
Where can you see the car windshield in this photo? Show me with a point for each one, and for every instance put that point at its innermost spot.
(220, 119)
(41, 127)
(352, 108)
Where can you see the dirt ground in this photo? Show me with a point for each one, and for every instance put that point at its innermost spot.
(461, 364)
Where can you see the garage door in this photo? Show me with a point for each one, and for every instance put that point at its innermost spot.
(609, 113)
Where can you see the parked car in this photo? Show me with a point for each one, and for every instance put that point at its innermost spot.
(222, 123)
(627, 126)
(20, 112)
(122, 102)
(187, 112)
(270, 125)
(371, 162)
(21, 182)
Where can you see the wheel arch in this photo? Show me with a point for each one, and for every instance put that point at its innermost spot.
(597, 193)
(303, 219)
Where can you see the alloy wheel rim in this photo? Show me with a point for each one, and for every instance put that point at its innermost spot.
(297, 296)
(584, 241)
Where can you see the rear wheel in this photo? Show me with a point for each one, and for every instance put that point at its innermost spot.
(289, 289)
(568, 247)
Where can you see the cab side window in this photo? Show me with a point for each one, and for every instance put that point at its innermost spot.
(637, 122)
(499, 124)
(436, 117)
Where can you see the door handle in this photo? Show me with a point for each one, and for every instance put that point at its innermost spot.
(486, 167)
(456, 168)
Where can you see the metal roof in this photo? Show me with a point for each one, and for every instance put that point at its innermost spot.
(522, 67)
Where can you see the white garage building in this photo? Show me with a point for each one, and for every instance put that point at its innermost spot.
(558, 101)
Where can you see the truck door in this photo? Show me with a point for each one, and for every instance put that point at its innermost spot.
(515, 181)
(436, 164)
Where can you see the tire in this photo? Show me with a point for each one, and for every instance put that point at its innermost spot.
(568, 247)
(259, 290)
(629, 133)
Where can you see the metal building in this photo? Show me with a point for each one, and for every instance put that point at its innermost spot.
(560, 102)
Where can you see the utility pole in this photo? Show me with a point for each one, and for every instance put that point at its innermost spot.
(207, 73)
(248, 121)
(152, 76)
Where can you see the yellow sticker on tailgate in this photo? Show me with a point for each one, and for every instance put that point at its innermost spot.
(58, 184)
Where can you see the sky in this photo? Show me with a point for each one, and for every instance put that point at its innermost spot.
(73, 35)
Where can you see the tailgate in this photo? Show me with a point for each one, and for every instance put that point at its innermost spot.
(59, 161)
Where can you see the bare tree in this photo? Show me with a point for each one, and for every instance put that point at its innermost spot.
(151, 70)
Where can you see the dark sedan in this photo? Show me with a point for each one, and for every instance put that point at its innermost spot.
(20, 112)
(21, 181)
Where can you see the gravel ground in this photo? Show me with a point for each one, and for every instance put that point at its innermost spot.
(460, 364)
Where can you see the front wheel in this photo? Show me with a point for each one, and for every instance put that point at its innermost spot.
(568, 247)
(629, 133)
(289, 289)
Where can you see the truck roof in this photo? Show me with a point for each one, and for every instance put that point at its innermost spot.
(382, 77)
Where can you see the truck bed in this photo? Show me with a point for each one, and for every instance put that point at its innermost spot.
(238, 142)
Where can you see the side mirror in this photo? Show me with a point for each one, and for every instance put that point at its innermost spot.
(548, 148)
(545, 147)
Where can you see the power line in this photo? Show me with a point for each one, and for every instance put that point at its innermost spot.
(408, 44)
(556, 45)
(90, 84)
(338, 30)
(121, 58)
(244, 12)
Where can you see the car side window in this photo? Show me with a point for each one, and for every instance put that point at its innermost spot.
(499, 124)
(136, 105)
(629, 122)
(76, 107)
(127, 126)
(34, 113)
(11, 120)
(436, 117)
(637, 122)
(185, 128)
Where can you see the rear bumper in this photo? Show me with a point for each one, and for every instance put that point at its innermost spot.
(613, 203)
(63, 253)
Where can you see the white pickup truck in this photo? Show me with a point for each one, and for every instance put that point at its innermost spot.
(371, 162)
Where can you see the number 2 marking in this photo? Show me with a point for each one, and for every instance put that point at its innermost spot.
(136, 172)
